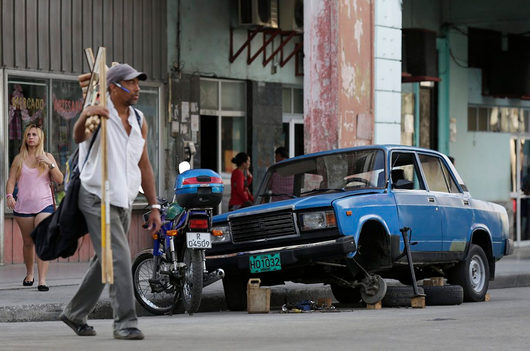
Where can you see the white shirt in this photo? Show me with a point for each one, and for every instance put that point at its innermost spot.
(123, 154)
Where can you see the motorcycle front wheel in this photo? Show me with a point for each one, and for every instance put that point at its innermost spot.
(192, 285)
(155, 295)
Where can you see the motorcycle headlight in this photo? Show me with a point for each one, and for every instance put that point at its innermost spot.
(221, 234)
(317, 220)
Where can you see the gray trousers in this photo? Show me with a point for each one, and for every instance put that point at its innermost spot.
(121, 292)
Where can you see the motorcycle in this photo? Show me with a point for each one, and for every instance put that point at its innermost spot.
(170, 277)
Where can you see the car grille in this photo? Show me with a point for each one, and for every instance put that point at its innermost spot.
(262, 226)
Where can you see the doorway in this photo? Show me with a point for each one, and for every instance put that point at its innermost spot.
(520, 183)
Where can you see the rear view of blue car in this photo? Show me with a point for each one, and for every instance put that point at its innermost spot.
(338, 217)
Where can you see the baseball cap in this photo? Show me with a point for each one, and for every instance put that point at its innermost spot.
(123, 71)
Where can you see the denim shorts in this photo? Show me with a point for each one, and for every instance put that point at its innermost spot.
(48, 209)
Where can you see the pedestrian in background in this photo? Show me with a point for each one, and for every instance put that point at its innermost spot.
(281, 187)
(280, 154)
(240, 195)
(129, 167)
(32, 171)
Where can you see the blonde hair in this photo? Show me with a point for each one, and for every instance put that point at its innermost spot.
(23, 153)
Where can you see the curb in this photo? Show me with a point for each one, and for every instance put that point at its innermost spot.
(211, 302)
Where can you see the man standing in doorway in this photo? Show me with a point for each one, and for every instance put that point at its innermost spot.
(129, 167)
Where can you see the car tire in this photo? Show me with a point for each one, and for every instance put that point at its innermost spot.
(472, 274)
(399, 295)
(235, 293)
(443, 295)
(346, 295)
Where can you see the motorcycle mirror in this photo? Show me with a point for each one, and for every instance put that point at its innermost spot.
(184, 166)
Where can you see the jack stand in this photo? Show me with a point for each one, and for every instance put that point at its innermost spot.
(418, 300)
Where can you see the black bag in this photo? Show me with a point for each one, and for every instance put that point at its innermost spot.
(57, 235)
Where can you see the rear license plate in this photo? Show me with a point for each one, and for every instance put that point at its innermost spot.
(198, 240)
(265, 263)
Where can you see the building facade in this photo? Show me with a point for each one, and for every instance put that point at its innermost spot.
(250, 75)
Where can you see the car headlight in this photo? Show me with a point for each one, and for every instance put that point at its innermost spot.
(221, 234)
(317, 220)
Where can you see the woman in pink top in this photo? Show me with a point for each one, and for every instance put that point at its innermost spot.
(32, 169)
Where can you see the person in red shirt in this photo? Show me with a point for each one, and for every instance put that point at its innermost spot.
(240, 182)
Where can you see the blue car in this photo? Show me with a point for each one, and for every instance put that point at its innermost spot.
(340, 218)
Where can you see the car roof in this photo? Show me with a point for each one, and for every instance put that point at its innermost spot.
(384, 147)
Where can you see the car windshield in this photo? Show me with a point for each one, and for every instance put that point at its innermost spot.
(334, 172)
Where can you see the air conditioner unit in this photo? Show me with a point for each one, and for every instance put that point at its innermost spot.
(292, 15)
(258, 12)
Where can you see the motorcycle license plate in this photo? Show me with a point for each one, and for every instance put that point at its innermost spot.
(198, 240)
(265, 263)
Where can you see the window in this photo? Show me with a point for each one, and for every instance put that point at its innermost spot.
(334, 172)
(27, 104)
(293, 120)
(404, 172)
(55, 104)
(497, 119)
(148, 103)
(437, 175)
(222, 123)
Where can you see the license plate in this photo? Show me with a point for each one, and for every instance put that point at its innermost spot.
(198, 240)
(265, 263)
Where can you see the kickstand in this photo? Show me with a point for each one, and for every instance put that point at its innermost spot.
(404, 231)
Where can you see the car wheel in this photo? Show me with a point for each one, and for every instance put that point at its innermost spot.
(235, 293)
(399, 295)
(472, 274)
(345, 294)
(443, 295)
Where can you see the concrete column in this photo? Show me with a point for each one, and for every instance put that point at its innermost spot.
(338, 73)
(387, 71)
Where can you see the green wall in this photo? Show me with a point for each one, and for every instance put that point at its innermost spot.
(205, 44)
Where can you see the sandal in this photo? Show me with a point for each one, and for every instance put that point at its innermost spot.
(43, 288)
(27, 283)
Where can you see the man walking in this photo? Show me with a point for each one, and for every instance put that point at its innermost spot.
(129, 167)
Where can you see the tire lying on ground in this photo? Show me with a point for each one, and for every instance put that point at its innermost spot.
(443, 295)
(399, 295)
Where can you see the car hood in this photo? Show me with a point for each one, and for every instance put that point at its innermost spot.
(297, 204)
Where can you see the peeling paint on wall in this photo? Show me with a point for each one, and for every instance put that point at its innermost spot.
(338, 48)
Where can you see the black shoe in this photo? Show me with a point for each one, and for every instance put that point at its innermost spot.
(79, 329)
(129, 334)
(27, 283)
(43, 288)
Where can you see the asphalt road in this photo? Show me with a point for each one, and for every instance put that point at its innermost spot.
(499, 324)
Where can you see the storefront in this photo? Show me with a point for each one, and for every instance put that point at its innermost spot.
(54, 102)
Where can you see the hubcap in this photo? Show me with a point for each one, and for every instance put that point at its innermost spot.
(477, 273)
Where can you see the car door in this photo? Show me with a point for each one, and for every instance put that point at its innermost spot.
(417, 208)
(454, 205)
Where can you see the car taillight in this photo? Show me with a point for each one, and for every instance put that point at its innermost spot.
(202, 179)
(199, 223)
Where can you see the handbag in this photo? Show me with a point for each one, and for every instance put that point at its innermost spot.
(57, 235)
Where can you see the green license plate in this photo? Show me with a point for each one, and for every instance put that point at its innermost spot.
(265, 263)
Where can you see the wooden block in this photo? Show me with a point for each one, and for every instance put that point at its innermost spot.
(487, 297)
(376, 306)
(417, 302)
(324, 301)
(435, 281)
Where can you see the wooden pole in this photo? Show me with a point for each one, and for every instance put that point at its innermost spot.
(107, 273)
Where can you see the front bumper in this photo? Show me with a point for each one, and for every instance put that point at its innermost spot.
(289, 255)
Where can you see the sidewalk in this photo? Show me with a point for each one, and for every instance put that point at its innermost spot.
(18, 303)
